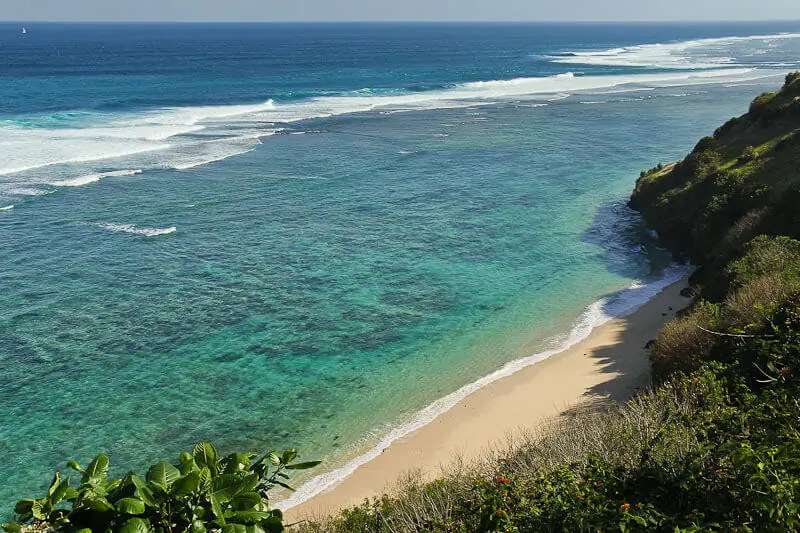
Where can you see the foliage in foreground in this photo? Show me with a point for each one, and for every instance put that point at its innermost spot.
(204, 492)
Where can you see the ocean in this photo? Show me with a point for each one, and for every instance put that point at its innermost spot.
(321, 235)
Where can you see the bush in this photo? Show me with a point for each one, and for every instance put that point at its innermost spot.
(203, 492)
(760, 103)
(767, 255)
(742, 231)
(751, 307)
(706, 143)
(684, 343)
(749, 154)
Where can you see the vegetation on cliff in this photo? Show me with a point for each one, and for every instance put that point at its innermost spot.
(741, 182)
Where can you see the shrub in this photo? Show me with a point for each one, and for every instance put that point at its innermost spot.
(766, 255)
(760, 103)
(749, 154)
(203, 492)
(742, 231)
(726, 128)
(684, 343)
(753, 305)
(706, 143)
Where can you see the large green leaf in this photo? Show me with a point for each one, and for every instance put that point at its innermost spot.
(97, 469)
(303, 466)
(249, 517)
(227, 486)
(37, 510)
(205, 478)
(216, 508)
(12, 528)
(98, 504)
(186, 484)
(23, 507)
(273, 458)
(130, 506)
(54, 484)
(288, 456)
(234, 528)
(163, 474)
(198, 526)
(60, 492)
(74, 465)
(144, 491)
(245, 501)
(187, 463)
(205, 454)
(135, 525)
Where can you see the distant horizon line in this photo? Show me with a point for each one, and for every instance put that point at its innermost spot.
(499, 21)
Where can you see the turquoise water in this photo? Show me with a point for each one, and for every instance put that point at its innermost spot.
(313, 290)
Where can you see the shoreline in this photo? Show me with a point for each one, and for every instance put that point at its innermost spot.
(604, 357)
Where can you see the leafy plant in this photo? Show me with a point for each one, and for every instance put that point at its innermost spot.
(202, 492)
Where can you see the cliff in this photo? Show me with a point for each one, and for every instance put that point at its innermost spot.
(741, 182)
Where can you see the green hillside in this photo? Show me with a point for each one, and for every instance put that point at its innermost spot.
(741, 182)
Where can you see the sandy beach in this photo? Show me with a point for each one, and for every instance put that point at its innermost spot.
(609, 365)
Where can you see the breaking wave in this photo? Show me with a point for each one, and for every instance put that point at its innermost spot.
(92, 178)
(687, 55)
(130, 228)
(77, 148)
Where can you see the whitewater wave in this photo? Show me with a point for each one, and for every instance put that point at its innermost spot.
(28, 191)
(92, 178)
(597, 314)
(42, 149)
(7, 208)
(74, 148)
(679, 55)
(130, 228)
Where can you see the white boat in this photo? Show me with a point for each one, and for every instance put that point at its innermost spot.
(24, 31)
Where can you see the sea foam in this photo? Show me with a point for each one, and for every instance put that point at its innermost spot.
(79, 148)
(92, 178)
(618, 305)
(665, 55)
(130, 228)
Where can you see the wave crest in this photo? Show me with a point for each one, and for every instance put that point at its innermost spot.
(131, 228)
(92, 178)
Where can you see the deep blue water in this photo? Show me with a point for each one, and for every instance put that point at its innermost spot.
(273, 235)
